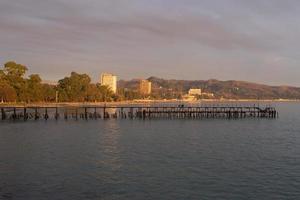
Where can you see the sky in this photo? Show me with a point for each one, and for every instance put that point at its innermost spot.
(255, 40)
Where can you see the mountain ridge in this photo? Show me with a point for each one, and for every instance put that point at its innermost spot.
(235, 89)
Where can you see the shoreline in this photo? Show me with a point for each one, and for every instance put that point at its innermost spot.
(141, 101)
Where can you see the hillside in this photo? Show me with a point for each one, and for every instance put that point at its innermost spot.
(227, 89)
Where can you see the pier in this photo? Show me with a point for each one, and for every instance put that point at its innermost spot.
(180, 111)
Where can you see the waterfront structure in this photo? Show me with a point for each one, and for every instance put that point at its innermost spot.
(208, 94)
(145, 87)
(109, 80)
(194, 92)
(138, 111)
(188, 97)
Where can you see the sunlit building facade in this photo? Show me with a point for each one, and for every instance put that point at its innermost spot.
(109, 80)
(195, 92)
(145, 87)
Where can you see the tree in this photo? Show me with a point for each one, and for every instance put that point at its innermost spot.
(104, 92)
(14, 74)
(48, 93)
(74, 88)
(92, 93)
(7, 93)
(13, 69)
(34, 88)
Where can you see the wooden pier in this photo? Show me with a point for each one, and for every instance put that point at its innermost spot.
(135, 112)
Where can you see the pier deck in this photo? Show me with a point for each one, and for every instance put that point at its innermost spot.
(135, 112)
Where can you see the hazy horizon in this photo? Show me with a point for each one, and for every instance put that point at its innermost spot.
(254, 41)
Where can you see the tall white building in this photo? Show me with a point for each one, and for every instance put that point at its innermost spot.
(145, 87)
(109, 80)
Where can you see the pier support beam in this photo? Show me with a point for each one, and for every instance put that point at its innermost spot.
(56, 113)
(3, 115)
(85, 114)
(95, 113)
(104, 113)
(14, 114)
(36, 115)
(46, 116)
(25, 116)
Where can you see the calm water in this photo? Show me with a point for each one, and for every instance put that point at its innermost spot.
(152, 159)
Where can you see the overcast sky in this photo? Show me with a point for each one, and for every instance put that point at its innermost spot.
(252, 40)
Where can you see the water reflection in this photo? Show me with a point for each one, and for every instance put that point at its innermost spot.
(152, 159)
(109, 145)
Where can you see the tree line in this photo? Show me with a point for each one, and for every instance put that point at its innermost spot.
(15, 87)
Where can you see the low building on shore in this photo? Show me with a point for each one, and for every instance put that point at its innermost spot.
(207, 94)
(188, 97)
(195, 92)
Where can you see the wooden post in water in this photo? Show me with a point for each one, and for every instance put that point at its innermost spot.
(104, 114)
(3, 115)
(85, 113)
(15, 114)
(66, 114)
(122, 113)
(46, 116)
(95, 113)
(24, 114)
(36, 113)
(76, 114)
(131, 113)
(56, 113)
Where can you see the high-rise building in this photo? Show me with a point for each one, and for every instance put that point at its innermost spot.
(109, 80)
(145, 87)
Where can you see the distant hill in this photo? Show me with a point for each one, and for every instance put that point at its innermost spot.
(227, 89)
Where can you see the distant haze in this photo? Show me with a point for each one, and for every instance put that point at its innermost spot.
(251, 40)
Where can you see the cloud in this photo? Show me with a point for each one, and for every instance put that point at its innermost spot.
(73, 24)
(143, 33)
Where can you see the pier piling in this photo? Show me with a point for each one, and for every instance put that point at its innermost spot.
(3, 115)
(139, 112)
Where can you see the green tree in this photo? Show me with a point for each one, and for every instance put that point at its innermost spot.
(7, 93)
(92, 93)
(14, 74)
(34, 88)
(48, 93)
(104, 93)
(74, 88)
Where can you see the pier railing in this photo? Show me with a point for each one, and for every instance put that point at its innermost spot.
(135, 112)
